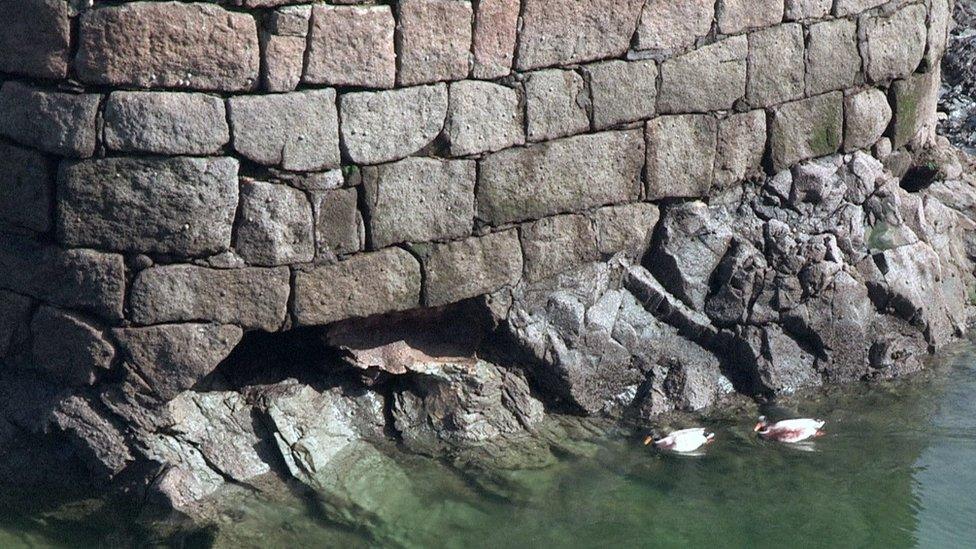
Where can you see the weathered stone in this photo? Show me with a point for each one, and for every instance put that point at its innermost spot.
(78, 279)
(97, 441)
(284, 59)
(275, 226)
(806, 129)
(165, 123)
(867, 114)
(784, 367)
(298, 131)
(776, 65)
(471, 267)
(58, 123)
(352, 46)
(35, 38)
(363, 285)
(435, 41)
(940, 18)
(680, 155)
(25, 189)
(174, 357)
(200, 46)
(558, 243)
(833, 62)
(180, 206)
(389, 125)
(735, 16)
(669, 26)
(622, 91)
(289, 21)
(741, 145)
(483, 117)
(555, 105)
(850, 7)
(708, 79)
(339, 227)
(419, 199)
(914, 100)
(583, 31)
(567, 175)
(67, 348)
(797, 10)
(626, 228)
(15, 312)
(893, 45)
(251, 298)
(495, 23)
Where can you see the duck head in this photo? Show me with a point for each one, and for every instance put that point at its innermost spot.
(761, 424)
(652, 438)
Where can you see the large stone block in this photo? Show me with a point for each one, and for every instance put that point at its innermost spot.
(797, 10)
(776, 65)
(169, 45)
(435, 41)
(67, 348)
(735, 16)
(339, 227)
(893, 45)
(284, 61)
(175, 357)
(850, 7)
(556, 244)
(275, 225)
(582, 31)
(35, 38)
(352, 46)
(667, 26)
(363, 285)
(680, 156)
(741, 145)
(566, 175)
(252, 298)
(622, 91)
(625, 228)
(26, 183)
(867, 115)
(483, 117)
(471, 267)
(86, 280)
(298, 131)
(179, 206)
(495, 24)
(833, 61)
(914, 100)
(390, 125)
(708, 79)
(555, 105)
(806, 129)
(419, 199)
(940, 18)
(55, 122)
(165, 123)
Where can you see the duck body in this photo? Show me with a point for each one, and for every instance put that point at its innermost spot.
(790, 430)
(683, 441)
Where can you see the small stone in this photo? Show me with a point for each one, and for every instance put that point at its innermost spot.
(850, 7)
(339, 227)
(914, 100)
(284, 60)
(626, 228)
(566, 175)
(867, 116)
(622, 91)
(25, 189)
(389, 125)
(483, 117)
(555, 105)
(833, 62)
(166, 123)
(741, 145)
(582, 31)
(363, 285)
(35, 38)
(418, 200)
(275, 226)
(435, 41)
(54, 122)
(298, 131)
(806, 129)
(668, 26)
(894, 44)
(199, 46)
(351, 46)
(797, 10)
(680, 156)
(252, 298)
(558, 243)
(471, 267)
(735, 16)
(67, 348)
(776, 65)
(495, 23)
(181, 206)
(708, 79)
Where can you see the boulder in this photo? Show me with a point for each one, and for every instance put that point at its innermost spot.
(797, 10)
(740, 146)
(867, 115)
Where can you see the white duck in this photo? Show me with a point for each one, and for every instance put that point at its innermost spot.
(790, 430)
(683, 441)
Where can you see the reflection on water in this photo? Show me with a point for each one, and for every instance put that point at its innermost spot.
(895, 470)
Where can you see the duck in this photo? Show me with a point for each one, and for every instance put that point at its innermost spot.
(790, 430)
(683, 441)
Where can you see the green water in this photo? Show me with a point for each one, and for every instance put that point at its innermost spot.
(897, 469)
